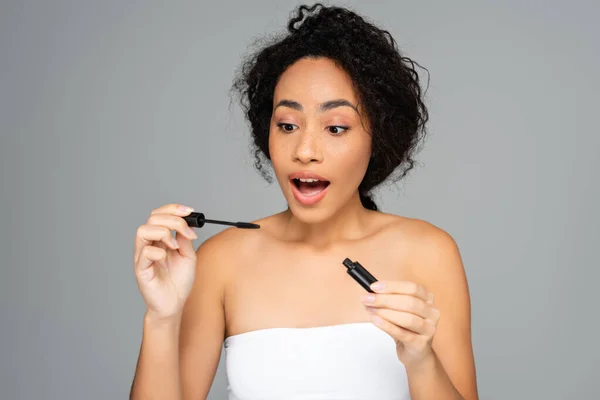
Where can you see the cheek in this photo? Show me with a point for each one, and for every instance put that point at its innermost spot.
(354, 157)
(278, 150)
(274, 147)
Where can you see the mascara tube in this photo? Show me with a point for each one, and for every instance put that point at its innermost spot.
(359, 274)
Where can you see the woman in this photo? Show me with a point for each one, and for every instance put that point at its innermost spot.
(336, 110)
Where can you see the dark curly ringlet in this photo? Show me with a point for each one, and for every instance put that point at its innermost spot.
(385, 81)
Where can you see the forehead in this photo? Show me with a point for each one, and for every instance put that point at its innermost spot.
(313, 81)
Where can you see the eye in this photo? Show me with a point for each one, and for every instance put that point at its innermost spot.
(286, 127)
(336, 130)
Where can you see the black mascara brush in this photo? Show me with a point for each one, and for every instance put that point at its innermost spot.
(197, 220)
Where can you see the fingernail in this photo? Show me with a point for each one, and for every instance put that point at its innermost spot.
(185, 208)
(175, 243)
(368, 299)
(192, 233)
(378, 286)
(370, 309)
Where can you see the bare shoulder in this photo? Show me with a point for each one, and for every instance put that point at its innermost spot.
(431, 257)
(436, 263)
(203, 324)
(224, 249)
(417, 230)
(434, 253)
(227, 243)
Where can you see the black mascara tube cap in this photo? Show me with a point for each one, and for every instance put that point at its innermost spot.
(359, 274)
(195, 220)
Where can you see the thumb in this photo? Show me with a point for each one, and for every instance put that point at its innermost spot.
(186, 246)
(431, 299)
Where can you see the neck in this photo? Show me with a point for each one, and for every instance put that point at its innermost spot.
(349, 222)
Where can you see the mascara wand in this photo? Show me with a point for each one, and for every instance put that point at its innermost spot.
(197, 220)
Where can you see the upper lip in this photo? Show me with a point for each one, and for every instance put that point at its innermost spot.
(307, 175)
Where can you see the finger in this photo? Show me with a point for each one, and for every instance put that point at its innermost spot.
(186, 247)
(147, 234)
(431, 299)
(397, 302)
(401, 287)
(148, 256)
(172, 222)
(408, 321)
(173, 208)
(168, 215)
(399, 334)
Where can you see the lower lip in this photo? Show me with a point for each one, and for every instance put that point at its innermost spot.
(305, 199)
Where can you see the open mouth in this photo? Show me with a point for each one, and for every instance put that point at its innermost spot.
(310, 187)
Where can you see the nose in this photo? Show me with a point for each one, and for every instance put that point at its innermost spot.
(307, 148)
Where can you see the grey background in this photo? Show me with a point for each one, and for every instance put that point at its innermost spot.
(109, 109)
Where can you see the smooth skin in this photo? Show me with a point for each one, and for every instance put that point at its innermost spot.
(289, 272)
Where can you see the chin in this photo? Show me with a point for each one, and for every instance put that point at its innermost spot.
(310, 215)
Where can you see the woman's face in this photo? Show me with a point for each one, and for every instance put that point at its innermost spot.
(317, 133)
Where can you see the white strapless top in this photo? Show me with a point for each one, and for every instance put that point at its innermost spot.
(354, 361)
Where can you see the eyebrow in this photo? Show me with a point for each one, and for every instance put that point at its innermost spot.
(328, 105)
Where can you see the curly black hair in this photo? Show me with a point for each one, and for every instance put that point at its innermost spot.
(385, 81)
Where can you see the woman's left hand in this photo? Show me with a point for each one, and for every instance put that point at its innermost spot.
(405, 310)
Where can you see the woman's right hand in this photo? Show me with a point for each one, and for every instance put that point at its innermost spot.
(165, 266)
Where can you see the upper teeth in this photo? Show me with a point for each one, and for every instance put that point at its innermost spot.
(308, 180)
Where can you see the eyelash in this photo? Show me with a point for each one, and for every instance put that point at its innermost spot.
(345, 128)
